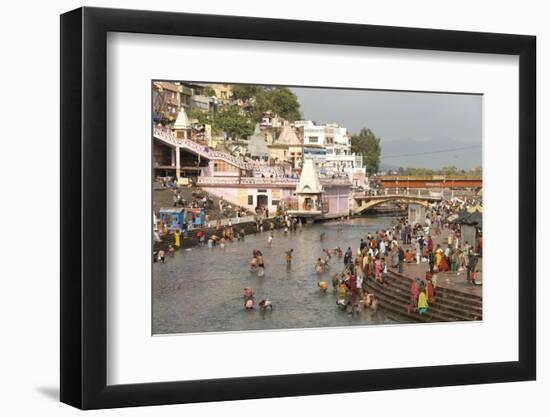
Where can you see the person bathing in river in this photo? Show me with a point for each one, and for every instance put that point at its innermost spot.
(348, 257)
(342, 296)
(265, 304)
(261, 265)
(254, 261)
(319, 266)
(335, 281)
(161, 256)
(248, 293)
(289, 259)
(270, 239)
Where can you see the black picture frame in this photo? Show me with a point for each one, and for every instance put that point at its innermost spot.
(84, 207)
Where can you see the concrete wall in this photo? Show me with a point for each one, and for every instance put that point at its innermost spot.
(239, 195)
(338, 198)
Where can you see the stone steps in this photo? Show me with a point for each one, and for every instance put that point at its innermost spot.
(398, 305)
(455, 301)
(399, 308)
(395, 297)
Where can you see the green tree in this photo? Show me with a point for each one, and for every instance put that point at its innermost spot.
(203, 117)
(279, 100)
(368, 145)
(235, 124)
(452, 170)
(285, 103)
(244, 92)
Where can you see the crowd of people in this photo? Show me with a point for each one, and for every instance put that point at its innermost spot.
(435, 243)
(403, 244)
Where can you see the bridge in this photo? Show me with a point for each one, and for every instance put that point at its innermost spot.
(365, 202)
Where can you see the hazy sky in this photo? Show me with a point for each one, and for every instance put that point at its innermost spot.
(445, 129)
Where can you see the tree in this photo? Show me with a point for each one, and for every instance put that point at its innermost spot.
(244, 92)
(279, 100)
(235, 124)
(368, 145)
(452, 170)
(202, 116)
(284, 103)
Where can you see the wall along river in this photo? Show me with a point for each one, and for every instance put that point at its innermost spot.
(201, 289)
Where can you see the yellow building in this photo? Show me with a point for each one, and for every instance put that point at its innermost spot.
(287, 147)
(223, 91)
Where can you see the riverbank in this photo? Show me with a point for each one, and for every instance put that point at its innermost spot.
(190, 239)
(246, 224)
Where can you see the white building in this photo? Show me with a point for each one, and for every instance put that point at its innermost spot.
(339, 158)
(329, 145)
(314, 135)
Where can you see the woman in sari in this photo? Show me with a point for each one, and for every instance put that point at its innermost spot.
(414, 294)
(177, 235)
(422, 303)
(438, 257)
(378, 269)
(444, 264)
(429, 287)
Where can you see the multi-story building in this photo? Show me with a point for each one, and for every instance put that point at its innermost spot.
(166, 100)
(204, 103)
(339, 157)
(314, 135)
(329, 145)
(314, 141)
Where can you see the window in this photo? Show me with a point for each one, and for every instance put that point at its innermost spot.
(274, 202)
(313, 139)
(250, 200)
(225, 167)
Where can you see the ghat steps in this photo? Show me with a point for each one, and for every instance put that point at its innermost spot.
(449, 304)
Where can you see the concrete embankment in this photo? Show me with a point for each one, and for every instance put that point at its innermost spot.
(191, 240)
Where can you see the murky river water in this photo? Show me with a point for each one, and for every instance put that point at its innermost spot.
(201, 290)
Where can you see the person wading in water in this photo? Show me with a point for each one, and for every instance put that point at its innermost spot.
(289, 259)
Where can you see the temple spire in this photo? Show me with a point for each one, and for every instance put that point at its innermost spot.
(309, 179)
(182, 121)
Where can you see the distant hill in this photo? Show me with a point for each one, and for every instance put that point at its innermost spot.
(405, 153)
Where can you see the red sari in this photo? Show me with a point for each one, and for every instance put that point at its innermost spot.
(444, 265)
(414, 293)
(429, 287)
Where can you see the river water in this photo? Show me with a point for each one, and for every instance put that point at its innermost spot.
(201, 289)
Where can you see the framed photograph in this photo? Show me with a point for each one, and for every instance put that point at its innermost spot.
(257, 208)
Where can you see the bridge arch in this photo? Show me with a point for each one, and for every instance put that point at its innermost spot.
(369, 203)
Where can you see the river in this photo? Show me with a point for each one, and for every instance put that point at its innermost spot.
(201, 289)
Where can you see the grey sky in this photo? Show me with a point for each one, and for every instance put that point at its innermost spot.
(407, 123)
